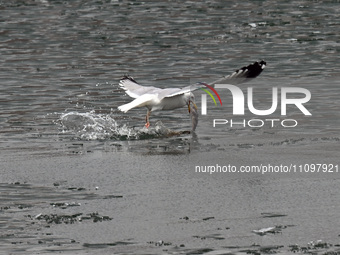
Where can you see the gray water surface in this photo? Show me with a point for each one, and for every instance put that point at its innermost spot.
(66, 150)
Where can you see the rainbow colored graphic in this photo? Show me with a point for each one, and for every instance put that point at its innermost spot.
(209, 93)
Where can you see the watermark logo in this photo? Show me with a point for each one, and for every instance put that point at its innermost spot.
(204, 97)
(295, 96)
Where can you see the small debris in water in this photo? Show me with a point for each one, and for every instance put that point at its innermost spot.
(64, 205)
(272, 230)
(270, 249)
(78, 189)
(208, 218)
(160, 243)
(311, 247)
(70, 219)
(211, 236)
(105, 245)
(112, 196)
(184, 218)
(272, 215)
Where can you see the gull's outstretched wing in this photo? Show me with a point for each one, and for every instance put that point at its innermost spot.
(133, 89)
(243, 74)
(174, 92)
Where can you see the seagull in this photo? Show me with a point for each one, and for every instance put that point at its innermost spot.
(154, 98)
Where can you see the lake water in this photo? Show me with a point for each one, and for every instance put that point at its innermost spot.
(79, 177)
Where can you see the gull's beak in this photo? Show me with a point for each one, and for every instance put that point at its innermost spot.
(195, 106)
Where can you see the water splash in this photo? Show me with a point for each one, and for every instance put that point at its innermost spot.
(94, 126)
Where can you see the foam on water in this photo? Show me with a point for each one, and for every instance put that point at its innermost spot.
(94, 126)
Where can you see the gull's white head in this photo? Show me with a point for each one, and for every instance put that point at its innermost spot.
(189, 98)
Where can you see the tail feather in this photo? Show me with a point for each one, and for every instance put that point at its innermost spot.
(125, 107)
(144, 100)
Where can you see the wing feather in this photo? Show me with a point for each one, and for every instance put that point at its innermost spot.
(243, 74)
(133, 89)
(239, 76)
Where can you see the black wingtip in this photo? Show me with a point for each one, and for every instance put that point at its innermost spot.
(253, 70)
(128, 77)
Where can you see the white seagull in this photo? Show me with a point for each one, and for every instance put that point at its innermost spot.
(172, 98)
